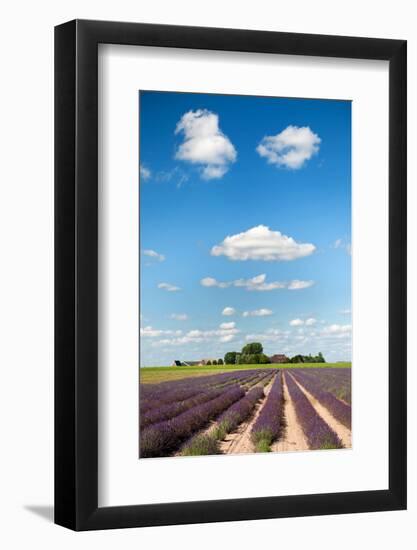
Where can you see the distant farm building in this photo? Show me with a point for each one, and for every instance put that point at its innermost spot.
(200, 363)
(177, 363)
(279, 358)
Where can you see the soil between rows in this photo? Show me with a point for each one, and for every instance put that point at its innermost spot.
(344, 434)
(292, 437)
(238, 433)
(240, 440)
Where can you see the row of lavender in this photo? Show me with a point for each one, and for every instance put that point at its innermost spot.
(318, 434)
(165, 437)
(164, 411)
(153, 396)
(266, 429)
(184, 408)
(336, 381)
(237, 413)
(170, 417)
(340, 410)
(262, 380)
(269, 424)
(168, 410)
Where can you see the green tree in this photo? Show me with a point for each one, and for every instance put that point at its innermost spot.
(253, 348)
(214, 362)
(208, 362)
(264, 359)
(230, 358)
(320, 358)
(220, 361)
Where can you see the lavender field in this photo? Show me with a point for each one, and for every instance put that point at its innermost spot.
(246, 411)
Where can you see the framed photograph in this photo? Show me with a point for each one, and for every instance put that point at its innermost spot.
(230, 338)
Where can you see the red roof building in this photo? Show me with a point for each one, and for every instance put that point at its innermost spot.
(279, 358)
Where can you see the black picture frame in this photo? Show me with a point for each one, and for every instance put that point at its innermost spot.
(76, 272)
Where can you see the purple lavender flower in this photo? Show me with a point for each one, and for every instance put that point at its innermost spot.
(336, 381)
(319, 435)
(238, 412)
(341, 411)
(169, 410)
(268, 425)
(165, 437)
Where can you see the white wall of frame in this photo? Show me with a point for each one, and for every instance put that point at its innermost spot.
(26, 273)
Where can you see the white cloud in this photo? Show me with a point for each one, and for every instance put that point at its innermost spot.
(226, 338)
(298, 285)
(227, 326)
(168, 287)
(339, 243)
(144, 172)
(300, 322)
(334, 340)
(179, 316)
(210, 281)
(338, 331)
(214, 172)
(271, 335)
(257, 283)
(161, 347)
(225, 333)
(154, 254)
(345, 311)
(263, 312)
(151, 332)
(204, 143)
(261, 243)
(290, 148)
(228, 311)
(176, 175)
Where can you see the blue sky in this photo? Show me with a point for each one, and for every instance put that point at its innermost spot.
(245, 226)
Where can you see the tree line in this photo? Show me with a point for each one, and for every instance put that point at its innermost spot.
(308, 358)
(253, 354)
(215, 362)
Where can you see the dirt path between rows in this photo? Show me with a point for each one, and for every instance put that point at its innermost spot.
(240, 440)
(341, 431)
(213, 423)
(292, 438)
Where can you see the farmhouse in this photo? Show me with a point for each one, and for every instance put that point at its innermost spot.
(279, 358)
(199, 363)
(177, 363)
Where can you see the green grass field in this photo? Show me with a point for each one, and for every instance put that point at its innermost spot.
(154, 375)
